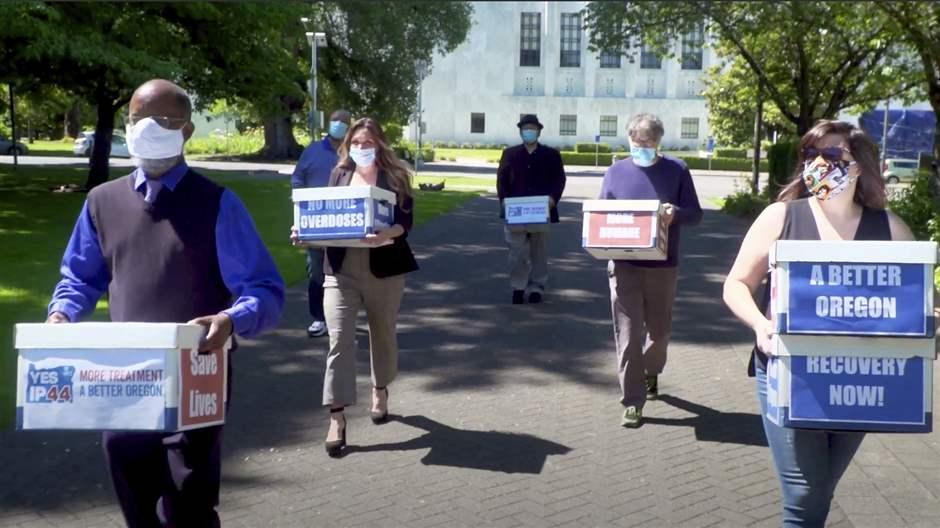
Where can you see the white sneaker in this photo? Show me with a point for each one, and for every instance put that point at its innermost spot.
(316, 329)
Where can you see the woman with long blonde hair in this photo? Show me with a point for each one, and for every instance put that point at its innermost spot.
(372, 277)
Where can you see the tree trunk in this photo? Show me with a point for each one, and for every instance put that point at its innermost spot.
(279, 140)
(98, 171)
(73, 121)
(758, 125)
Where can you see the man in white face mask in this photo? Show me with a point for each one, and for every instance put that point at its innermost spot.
(168, 245)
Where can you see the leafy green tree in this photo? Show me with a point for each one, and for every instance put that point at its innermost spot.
(731, 96)
(812, 59)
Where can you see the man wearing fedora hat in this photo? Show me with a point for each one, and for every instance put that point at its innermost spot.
(529, 169)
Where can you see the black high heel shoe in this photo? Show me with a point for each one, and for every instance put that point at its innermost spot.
(334, 448)
(382, 417)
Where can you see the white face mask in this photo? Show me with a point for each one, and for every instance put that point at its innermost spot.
(362, 157)
(147, 140)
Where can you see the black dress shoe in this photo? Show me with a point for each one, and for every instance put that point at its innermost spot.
(334, 448)
(518, 296)
(535, 298)
(380, 417)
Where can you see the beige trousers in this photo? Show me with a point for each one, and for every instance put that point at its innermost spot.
(343, 294)
(641, 304)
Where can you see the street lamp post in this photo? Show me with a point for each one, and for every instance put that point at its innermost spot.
(422, 68)
(316, 40)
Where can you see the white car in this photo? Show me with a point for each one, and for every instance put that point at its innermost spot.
(900, 170)
(85, 140)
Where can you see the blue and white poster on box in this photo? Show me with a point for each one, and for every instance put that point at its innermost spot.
(863, 288)
(67, 389)
(527, 210)
(853, 392)
(334, 214)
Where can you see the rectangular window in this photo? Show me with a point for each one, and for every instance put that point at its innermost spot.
(692, 48)
(530, 48)
(477, 123)
(609, 126)
(649, 60)
(610, 59)
(571, 40)
(689, 129)
(568, 126)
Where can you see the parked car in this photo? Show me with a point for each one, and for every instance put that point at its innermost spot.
(7, 147)
(900, 170)
(85, 140)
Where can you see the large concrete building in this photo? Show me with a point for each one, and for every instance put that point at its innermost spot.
(533, 57)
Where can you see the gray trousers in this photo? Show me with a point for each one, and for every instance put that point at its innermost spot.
(528, 258)
(641, 304)
(344, 293)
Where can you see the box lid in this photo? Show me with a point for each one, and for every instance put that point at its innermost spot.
(107, 335)
(621, 205)
(340, 193)
(882, 251)
(816, 345)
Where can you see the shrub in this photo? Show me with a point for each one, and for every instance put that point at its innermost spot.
(725, 164)
(589, 147)
(467, 146)
(745, 204)
(584, 158)
(452, 145)
(781, 160)
(394, 132)
(919, 207)
(731, 153)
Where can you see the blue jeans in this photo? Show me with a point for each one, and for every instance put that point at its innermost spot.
(809, 464)
(315, 286)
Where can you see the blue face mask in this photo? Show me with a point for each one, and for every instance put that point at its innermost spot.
(529, 136)
(338, 129)
(643, 156)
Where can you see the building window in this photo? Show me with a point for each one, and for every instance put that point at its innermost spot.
(609, 126)
(650, 85)
(609, 86)
(571, 40)
(568, 126)
(689, 129)
(649, 60)
(477, 123)
(692, 48)
(530, 49)
(610, 59)
(691, 88)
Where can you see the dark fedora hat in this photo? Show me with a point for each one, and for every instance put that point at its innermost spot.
(529, 119)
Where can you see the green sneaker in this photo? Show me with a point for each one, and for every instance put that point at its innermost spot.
(652, 387)
(632, 417)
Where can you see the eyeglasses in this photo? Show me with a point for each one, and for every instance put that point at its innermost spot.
(167, 122)
(828, 153)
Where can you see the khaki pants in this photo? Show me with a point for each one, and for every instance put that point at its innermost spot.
(528, 259)
(641, 304)
(344, 293)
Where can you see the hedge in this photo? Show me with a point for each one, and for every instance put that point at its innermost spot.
(725, 164)
(589, 147)
(583, 158)
(782, 162)
(731, 153)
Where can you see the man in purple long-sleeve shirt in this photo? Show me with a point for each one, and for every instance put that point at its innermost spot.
(168, 245)
(642, 292)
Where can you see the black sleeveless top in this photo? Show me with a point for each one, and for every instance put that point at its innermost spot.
(799, 224)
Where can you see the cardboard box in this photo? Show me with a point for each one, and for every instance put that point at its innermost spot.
(853, 287)
(851, 383)
(527, 213)
(625, 230)
(117, 376)
(342, 216)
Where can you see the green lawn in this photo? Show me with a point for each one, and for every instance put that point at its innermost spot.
(35, 225)
(50, 148)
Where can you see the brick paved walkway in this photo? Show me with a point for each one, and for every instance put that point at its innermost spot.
(504, 415)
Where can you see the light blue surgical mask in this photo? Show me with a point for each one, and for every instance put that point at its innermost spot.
(338, 129)
(529, 136)
(643, 156)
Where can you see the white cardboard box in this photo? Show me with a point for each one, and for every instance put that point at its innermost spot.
(342, 216)
(527, 213)
(880, 288)
(625, 230)
(851, 383)
(118, 376)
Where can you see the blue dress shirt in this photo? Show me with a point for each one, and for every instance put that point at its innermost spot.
(247, 268)
(315, 165)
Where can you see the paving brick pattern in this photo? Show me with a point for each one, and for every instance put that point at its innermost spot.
(504, 416)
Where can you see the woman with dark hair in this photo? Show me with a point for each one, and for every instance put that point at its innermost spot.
(837, 193)
(372, 277)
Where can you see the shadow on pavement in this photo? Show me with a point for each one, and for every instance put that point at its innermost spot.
(485, 450)
(715, 426)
